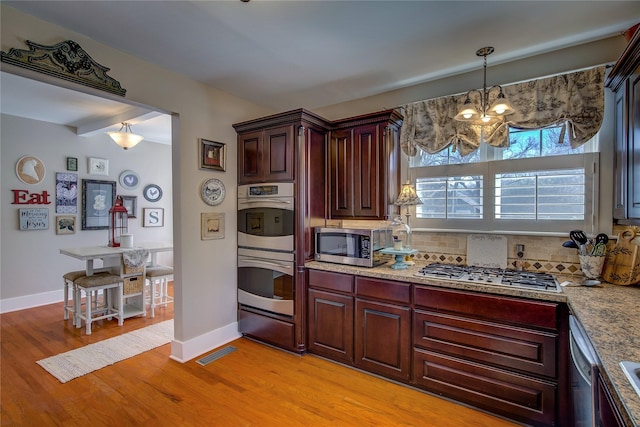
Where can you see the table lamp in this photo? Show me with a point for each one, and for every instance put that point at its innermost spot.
(407, 197)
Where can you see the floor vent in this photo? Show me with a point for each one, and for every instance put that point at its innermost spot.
(215, 355)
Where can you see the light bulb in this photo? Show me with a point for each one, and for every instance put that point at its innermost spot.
(486, 119)
(467, 116)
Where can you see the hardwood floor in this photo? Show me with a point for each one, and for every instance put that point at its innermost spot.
(255, 385)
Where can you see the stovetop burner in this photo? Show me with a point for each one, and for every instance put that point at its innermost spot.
(491, 276)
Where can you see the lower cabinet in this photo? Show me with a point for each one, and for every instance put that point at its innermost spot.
(331, 325)
(608, 414)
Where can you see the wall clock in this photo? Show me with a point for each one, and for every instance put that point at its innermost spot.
(129, 180)
(152, 192)
(212, 191)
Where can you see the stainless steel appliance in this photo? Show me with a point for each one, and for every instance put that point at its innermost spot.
(266, 216)
(352, 246)
(491, 276)
(584, 374)
(265, 280)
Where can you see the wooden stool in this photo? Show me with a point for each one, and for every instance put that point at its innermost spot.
(69, 279)
(158, 277)
(91, 285)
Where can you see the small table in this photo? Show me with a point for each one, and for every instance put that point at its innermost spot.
(399, 254)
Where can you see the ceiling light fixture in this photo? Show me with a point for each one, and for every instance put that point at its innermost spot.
(124, 137)
(487, 114)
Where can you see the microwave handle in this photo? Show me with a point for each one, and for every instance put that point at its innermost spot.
(247, 202)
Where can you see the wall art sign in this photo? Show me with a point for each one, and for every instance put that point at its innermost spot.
(65, 224)
(24, 197)
(98, 166)
(66, 193)
(129, 180)
(97, 199)
(30, 170)
(34, 218)
(212, 155)
(212, 226)
(72, 164)
(153, 217)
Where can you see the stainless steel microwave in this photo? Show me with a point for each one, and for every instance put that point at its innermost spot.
(352, 246)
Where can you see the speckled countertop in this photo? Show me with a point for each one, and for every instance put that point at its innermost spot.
(610, 314)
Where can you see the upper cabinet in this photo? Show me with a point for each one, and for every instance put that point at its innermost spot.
(624, 80)
(364, 165)
(266, 155)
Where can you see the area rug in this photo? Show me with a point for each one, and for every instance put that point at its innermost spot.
(83, 360)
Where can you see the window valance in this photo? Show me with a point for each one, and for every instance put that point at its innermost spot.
(574, 101)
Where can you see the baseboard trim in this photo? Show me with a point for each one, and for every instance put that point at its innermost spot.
(183, 351)
(30, 301)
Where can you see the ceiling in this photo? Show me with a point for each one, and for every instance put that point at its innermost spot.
(291, 54)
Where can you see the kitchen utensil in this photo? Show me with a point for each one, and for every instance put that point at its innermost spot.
(580, 239)
(570, 244)
(623, 260)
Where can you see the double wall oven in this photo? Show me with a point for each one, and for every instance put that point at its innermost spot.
(266, 257)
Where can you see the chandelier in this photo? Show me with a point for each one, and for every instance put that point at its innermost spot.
(125, 138)
(486, 114)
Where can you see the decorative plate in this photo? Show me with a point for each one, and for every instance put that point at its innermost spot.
(30, 170)
(152, 193)
(129, 180)
(212, 191)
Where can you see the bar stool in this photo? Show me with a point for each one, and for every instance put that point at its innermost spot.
(69, 279)
(158, 277)
(91, 285)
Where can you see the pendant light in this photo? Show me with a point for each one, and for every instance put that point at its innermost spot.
(484, 113)
(125, 138)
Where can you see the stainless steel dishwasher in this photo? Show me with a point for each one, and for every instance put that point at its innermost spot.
(584, 374)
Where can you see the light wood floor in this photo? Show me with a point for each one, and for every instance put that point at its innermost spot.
(254, 386)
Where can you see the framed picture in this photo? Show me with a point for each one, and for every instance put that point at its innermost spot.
(97, 199)
(34, 218)
(65, 224)
(129, 180)
(72, 164)
(67, 193)
(212, 226)
(212, 155)
(98, 166)
(131, 203)
(153, 217)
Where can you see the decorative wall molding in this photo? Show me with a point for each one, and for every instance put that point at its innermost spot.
(65, 60)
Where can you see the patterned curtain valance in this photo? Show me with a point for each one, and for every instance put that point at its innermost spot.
(574, 100)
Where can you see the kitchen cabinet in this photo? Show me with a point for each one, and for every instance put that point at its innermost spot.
(383, 327)
(497, 353)
(624, 80)
(364, 165)
(266, 155)
(608, 414)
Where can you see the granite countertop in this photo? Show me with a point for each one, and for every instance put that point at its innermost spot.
(609, 314)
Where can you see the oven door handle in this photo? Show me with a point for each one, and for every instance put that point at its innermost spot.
(282, 267)
(248, 202)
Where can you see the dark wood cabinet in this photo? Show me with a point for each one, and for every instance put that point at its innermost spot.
(624, 80)
(266, 155)
(364, 165)
(608, 413)
(498, 353)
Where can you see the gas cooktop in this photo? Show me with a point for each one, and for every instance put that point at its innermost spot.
(491, 276)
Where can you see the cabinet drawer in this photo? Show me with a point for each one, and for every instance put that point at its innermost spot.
(515, 396)
(272, 331)
(384, 290)
(330, 281)
(498, 345)
(491, 307)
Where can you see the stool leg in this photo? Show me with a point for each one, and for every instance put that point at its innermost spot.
(88, 304)
(120, 304)
(153, 297)
(66, 300)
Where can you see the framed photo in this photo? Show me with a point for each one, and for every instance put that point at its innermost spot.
(65, 224)
(153, 217)
(97, 199)
(34, 218)
(98, 166)
(131, 203)
(72, 164)
(212, 155)
(129, 180)
(212, 226)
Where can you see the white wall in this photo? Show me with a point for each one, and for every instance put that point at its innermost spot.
(205, 270)
(31, 262)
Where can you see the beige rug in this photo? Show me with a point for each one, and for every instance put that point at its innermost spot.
(83, 360)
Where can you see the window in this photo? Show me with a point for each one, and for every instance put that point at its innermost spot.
(536, 184)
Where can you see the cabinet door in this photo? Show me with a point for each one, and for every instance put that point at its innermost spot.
(249, 157)
(331, 325)
(633, 165)
(278, 146)
(342, 173)
(608, 414)
(382, 339)
(368, 168)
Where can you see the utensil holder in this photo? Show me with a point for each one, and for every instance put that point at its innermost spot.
(591, 265)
